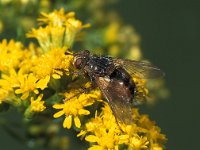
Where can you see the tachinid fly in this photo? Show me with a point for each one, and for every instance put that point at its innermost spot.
(114, 79)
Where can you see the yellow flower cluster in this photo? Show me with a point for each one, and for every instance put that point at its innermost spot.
(60, 30)
(105, 133)
(26, 72)
(8, 50)
(29, 75)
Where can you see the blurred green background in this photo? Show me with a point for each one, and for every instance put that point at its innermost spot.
(170, 39)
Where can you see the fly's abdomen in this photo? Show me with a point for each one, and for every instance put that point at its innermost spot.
(124, 78)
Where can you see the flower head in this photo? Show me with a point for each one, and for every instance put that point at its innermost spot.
(47, 63)
(75, 106)
(60, 30)
(12, 50)
(135, 136)
(37, 105)
(29, 83)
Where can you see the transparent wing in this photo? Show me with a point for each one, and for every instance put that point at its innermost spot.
(118, 99)
(140, 69)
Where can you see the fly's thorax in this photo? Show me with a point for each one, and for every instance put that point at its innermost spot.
(101, 66)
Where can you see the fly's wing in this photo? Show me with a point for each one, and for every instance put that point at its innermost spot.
(117, 97)
(139, 69)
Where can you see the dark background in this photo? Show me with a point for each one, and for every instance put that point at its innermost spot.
(170, 38)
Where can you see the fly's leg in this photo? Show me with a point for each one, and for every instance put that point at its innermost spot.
(81, 91)
(69, 72)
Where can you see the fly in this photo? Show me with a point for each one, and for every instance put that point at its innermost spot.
(114, 79)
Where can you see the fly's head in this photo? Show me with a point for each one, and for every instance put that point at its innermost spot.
(81, 59)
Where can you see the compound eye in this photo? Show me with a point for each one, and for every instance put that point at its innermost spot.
(78, 63)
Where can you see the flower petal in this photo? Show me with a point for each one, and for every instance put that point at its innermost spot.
(83, 112)
(58, 106)
(91, 138)
(42, 83)
(56, 76)
(67, 122)
(58, 114)
(25, 95)
(96, 147)
(77, 122)
(18, 91)
(82, 133)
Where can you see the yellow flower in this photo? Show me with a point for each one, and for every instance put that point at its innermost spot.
(43, 35)
(37, 105)
(139, 142)
(29, 83)
(46, 64)
(8, 84)
(111, 33)
(103, 130)
(11, 54)
(60, 30)
(114, 50)
(74, 106)
(9, 81)
(135, 53)
(55, 18)
(144, 134)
